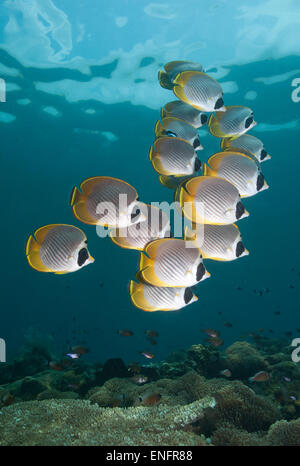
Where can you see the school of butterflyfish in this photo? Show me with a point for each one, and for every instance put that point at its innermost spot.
(209, 196)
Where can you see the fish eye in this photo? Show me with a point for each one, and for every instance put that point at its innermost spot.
(200, 272)
(240, 248)
(240, 209)
(188, 295)
(135, 214)
(170, 133)
(197, 165)
(248, 122)
(219, 103)
(203, 119)
(196, 143)
(85, 241)
(260, 181)
(83, 255)
(263, 154)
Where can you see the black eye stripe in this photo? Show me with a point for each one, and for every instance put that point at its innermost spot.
(260, 181)
(196, 143)
(188, 295)
(240, 209)
(197, 165)
(200, 272)
(219, 103)
(263, 154)
(83, 255)
(240, 248)
(248, 122)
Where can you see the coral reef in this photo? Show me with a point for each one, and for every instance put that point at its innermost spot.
(77, 422)
(244, 360)
(284, 433)
(74, 402)
(239, 406)
(230, 436)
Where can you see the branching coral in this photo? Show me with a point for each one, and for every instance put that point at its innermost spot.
(77, 422)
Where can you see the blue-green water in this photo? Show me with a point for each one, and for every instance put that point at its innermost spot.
(82, 100)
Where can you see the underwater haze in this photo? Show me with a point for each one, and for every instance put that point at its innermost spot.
(82, 99)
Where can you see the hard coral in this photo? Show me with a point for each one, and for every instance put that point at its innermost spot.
(239, 406)
(228, 435)
(77, 422)
(284, 433)
(244, 360)
(206, 358)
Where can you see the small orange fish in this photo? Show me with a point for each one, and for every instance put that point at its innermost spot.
(147, 355)
(211, 332)
(261, 376)
(79, 350)
(151, 333)
(226, 373)
(215, 341)
(125, 332)
(149, 399)
(56, 366)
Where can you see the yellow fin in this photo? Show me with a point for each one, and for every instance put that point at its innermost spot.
(180, 81)
(214, 126)
(225, 143)
(42, 232)
(157, 165)
(152, 153)
(191, 185)
(32, 250)
(207, 170)
(151, 248)
(158, 129)
(137, 297)
(144, 260)
(167, 181)
(147, 275)
(76, 196)
(189, 235)
(163, 113)
(82, 214)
